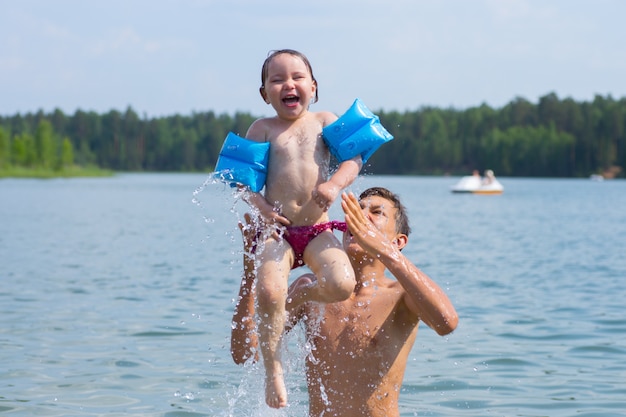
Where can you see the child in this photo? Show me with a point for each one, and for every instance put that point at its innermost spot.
(298, 194)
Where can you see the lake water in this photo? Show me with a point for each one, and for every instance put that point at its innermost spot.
(116, 296)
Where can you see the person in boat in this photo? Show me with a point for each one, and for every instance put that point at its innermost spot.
(489, 177)
(360, 346)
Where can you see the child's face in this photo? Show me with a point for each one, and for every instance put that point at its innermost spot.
(288, 86)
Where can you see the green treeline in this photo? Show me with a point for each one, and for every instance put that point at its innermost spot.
(553, 138)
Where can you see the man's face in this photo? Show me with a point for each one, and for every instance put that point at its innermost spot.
(381, 212)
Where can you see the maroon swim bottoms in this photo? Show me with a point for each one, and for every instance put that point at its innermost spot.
(300, 236)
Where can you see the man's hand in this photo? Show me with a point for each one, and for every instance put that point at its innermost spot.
(372, 240)
(272, 216)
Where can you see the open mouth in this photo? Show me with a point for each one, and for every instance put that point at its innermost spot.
(291, 100)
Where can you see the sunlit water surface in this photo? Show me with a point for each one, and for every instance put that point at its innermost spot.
(116, 296)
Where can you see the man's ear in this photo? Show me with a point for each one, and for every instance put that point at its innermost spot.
(401, 240)
(263, 94)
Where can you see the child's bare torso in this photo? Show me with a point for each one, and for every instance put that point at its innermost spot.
(298, 163)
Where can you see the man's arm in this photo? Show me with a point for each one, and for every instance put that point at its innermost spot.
(244, 339)
(422, 295)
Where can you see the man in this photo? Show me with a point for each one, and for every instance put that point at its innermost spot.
(360, 346)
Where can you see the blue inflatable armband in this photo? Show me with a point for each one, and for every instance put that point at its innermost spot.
(243, 161)
(357, 132)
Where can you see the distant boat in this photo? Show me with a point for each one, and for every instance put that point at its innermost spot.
(474, 184)
(596, 177)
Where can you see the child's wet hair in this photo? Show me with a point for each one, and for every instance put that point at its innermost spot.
(295, 53)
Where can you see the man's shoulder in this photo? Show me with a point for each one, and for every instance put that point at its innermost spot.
(400, 294)
(387, 290)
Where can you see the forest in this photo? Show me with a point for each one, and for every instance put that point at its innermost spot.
(551, 138)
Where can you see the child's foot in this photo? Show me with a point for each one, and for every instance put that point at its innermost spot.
(275, 391)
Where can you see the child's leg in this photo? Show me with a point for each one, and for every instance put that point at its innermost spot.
(329, 262)
(273, 274)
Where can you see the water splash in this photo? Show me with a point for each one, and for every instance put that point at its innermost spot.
(211, 180)
(247, 398)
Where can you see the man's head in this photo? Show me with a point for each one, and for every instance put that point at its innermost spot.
(384, 211)
(400, 215)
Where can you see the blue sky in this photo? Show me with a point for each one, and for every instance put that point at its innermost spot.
(163, 57)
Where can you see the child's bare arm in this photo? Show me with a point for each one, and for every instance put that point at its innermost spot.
(258, 132)
(327, 192)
